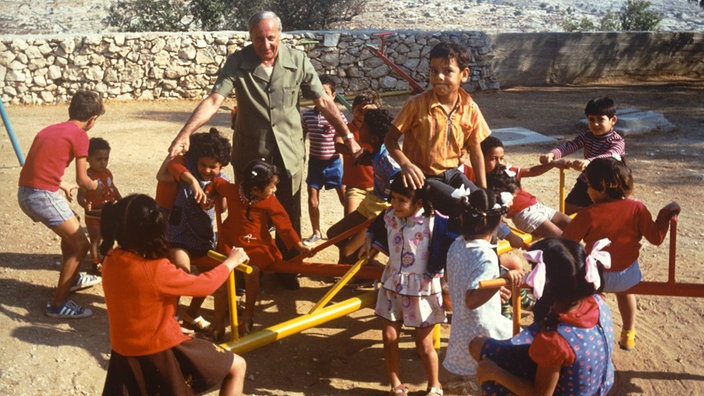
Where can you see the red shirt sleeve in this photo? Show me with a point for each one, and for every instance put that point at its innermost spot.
(550, 349)
(177, 167)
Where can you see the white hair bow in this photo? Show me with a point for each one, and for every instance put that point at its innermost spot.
(597, 255)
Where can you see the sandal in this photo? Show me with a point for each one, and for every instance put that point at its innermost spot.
(399, 390)
(198, 323)
(433, 391)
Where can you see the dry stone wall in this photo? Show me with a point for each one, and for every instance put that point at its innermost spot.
(49, 69)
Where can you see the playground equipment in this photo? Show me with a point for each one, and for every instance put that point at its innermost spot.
(416, 88)
(322, 313)
(11, 134)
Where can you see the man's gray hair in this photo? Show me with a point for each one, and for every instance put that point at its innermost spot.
(262, 15)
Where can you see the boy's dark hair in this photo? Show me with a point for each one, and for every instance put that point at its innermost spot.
(257, 174)
(325, 79)
(565, 272)
(479, 214)
(84, 105)
(211, 144)
(96, 144)
(601, 106)
(489, 143)
(449, 50)
(367, 97)
(137, 225)
(378, 122)
(501, 180)
(420, 194)
(610, 175)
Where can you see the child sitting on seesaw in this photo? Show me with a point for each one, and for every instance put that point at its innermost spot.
(568, 350)
(150, 354)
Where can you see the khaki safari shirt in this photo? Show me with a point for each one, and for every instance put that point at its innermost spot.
(267, 106)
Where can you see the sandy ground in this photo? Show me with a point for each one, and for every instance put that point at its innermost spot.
(39, 355)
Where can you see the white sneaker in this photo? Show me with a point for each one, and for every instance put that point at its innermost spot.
(85, 281)
(312, 240)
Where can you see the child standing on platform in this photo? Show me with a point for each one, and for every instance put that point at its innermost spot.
(416, 239)
(437, 125)
(252, 207)
(625, 222)
(150, 355)
(324, 163)
(569, 348)
(98, 157)
(599, 141)
(52, 150)
(472, 258)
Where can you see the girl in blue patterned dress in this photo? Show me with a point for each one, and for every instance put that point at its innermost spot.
(416, 240)
(568, 350)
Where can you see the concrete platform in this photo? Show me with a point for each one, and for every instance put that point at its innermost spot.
(637, 122)
(516, 136)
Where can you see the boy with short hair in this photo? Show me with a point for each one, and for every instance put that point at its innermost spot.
(437, 124)
(51, 152)
(93, 201)
(324, 163)
(599, 141)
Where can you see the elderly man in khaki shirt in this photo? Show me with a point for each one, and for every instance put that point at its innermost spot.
(268, 80)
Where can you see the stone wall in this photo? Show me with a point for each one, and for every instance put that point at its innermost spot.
(48, 69)
(533, 59)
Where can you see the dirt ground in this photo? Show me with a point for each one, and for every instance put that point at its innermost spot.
(39, 355)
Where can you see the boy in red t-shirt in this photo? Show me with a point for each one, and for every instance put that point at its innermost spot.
(93, 201)
(52, 150)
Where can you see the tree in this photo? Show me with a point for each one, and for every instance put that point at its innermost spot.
(189, 15)
(636, 16)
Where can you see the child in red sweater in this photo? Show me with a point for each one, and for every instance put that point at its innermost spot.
(625, 222)
(142, 287)
(252, 205)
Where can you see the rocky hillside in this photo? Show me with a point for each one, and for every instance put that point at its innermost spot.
(84, 16)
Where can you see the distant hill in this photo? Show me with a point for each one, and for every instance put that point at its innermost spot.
(85, 16)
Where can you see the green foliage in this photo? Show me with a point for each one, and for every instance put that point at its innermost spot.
(635, 15)
(188, 15)
(585, 25)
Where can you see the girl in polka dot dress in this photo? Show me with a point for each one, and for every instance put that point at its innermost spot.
(416, 240)
(568, 349)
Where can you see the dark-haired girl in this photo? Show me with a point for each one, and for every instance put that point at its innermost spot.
(416, 239)
(150, 354)
(470, 259)
(252, 207)
(568, 349)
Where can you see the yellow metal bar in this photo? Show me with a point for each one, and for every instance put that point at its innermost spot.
(297, 325)
(221, 257)
(436, 336)
(516, 295)
(232, 302)
(562, 190)
(339, 285)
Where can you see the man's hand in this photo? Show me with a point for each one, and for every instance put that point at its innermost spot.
(413, 177)
(179, 146)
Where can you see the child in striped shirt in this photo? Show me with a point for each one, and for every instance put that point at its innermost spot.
(599, 141)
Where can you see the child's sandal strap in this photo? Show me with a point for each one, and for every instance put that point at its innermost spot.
(433, 391)
(399, 390)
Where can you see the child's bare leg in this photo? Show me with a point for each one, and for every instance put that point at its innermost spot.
(571, 208)
(95, 237)
(341, 195)
(561, 220)
(220, 317)
(314, 210)
(511, 262)
(390, 334)
(74, 248)
(547, 229)
(428, 355)
(252, 289)
(180, 258)
(233, 384)
(627, 308)
(475, 347)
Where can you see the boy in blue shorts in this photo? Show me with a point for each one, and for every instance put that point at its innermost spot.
(38, 195)
(324, 163)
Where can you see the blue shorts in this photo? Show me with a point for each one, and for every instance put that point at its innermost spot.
(51, 208)
(619, 281)
(324, 173)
